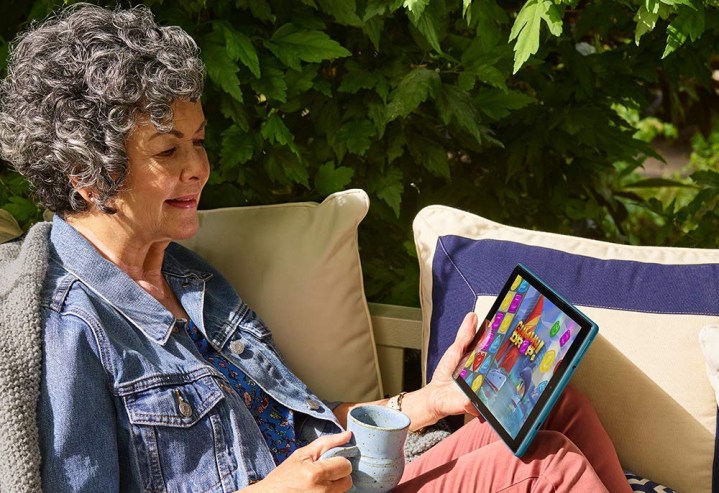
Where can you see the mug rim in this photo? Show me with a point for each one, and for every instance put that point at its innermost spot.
(382, 409)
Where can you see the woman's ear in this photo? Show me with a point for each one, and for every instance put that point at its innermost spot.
(85, 193)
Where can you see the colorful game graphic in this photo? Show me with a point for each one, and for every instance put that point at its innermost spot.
(518, 353)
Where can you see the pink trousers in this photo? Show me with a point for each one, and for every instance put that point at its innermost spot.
(572, 453)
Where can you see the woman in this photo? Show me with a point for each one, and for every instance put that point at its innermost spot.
(148, 346)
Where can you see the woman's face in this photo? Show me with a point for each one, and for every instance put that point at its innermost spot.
(166, 174)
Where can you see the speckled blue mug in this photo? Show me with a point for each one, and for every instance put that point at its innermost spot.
(376, 450)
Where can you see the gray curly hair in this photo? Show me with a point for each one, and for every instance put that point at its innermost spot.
(75, 85)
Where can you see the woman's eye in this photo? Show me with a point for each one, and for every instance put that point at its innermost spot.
(199, 142)
(167, 153)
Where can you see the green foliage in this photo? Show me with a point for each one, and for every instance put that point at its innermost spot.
(523, 112)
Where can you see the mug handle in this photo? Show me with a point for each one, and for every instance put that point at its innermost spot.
(351, 452)
(348, 451)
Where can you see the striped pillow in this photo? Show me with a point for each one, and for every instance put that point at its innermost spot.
(645, 373)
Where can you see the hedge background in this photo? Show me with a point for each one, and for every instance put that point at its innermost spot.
(535, 114)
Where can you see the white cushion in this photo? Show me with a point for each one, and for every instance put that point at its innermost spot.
(645, 372)
(297, 265)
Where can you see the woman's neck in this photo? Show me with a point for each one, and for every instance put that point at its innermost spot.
(141, 260)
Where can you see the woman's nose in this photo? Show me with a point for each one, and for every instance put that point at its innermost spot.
(196, 165)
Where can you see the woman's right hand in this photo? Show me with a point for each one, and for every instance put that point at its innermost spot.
(303, 471)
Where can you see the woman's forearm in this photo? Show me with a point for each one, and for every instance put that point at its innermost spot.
(417, 405)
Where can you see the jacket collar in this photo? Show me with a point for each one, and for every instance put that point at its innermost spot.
(79, 257)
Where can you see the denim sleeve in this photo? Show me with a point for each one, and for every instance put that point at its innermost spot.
(76, 411)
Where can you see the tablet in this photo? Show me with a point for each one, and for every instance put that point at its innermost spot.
(522, 357)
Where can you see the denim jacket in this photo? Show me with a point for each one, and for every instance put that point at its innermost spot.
(127, 403)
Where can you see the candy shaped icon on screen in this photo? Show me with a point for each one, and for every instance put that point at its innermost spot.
(565, 338)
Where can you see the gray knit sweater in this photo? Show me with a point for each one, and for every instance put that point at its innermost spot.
(23, 265)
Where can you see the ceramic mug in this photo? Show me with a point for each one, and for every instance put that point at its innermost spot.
(376, 450)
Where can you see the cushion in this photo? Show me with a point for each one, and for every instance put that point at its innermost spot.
(645, 485)
(644, 373)
(297, 265)
(709, 340)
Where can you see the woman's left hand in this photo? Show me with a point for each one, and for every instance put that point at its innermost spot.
(444, 395)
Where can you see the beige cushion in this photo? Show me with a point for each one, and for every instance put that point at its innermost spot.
(709, 339)
(645, 373)
(297, 265)
(9, 227)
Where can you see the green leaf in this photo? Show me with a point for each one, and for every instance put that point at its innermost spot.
(466, 4)
(454, 104)
(490, 19)
(344, 11)
(706, 177)
(261, 10)
(357, 78)
(292, 45)
(374, 9)
(330, 179)
(432, 155)
(553, 18)
(221, 69)
(274, 130)
(239, 47)
(21, 208)
(235, 111)
(526, 28)
(419, 84)
(238, 147)
(389, 187)
(688, 24)
(498, 104)
(373, 29)
(376, 113)
(646, 19)
(688, 3)
(396, 143)
(485, 62)
(357, 135)
(491, 75)
(296, 170)
(427, 25)
(284, 167)
(272, 84)
(301, 82)
(416, 7)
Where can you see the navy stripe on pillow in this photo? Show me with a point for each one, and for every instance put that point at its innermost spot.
(464, 268)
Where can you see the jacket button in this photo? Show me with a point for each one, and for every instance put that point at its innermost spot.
(185, 409)
(313, 404)
(237, 346)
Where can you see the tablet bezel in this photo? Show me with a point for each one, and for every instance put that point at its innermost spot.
(587, 332)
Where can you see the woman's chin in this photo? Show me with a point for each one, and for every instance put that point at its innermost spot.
(185, 233)
(185, 229)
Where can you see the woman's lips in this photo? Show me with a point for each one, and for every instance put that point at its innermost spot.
(187, 202)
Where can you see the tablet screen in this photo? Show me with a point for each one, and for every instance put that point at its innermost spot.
(519, 352)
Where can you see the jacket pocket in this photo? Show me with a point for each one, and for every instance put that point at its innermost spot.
(178, 435)
(180, 405)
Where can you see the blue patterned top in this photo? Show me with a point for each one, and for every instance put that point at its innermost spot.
(276, 422)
